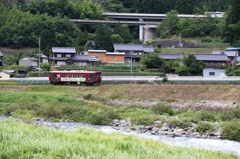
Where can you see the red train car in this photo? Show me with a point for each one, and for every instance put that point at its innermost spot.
(78, 77)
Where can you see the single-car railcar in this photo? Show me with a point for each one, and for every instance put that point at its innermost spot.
(78, 77)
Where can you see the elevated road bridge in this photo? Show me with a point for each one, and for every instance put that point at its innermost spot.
(147, 22)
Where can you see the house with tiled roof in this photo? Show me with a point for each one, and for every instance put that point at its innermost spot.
(107, 57)
(210, 60)
(68, 56)
(132, 51)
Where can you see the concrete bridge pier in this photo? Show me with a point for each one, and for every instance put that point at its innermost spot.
(147, 32)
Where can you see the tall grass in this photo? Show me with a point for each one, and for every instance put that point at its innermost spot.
(19, 140)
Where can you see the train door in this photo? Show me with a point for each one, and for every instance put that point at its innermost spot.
(54, 78)
(91, 78)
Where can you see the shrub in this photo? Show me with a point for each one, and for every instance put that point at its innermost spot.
(164, 79)
(88, 96)
(231, 130)
(230, 115)
(98, 118)
(162, 108)
(205, 116)
(181, 123)
(203, 127)
(143, 121)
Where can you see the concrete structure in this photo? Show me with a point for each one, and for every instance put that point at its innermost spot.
(147, 30)
(213, 73)
(147, 22)
(107, 57)
(1, 57)
(28, 61)
(215, 14)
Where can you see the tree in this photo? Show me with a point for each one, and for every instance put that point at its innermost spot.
(151, 60)
(116, 38)
(124, 33)
(233, 24)
(103, 38)
(194, 66)
(169, 25)
(182, 70)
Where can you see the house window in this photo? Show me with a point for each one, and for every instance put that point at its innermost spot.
(0, 76)
(59, 55)
(212, 73)
(114, 58)
(68, 55)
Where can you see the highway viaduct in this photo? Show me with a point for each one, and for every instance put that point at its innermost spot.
(147, 22)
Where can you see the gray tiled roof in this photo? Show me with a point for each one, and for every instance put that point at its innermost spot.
(81, 58)
(148, 49)
(230, 53)
(170, 56)
(128, 47)
(58, 58)
(201, 57)
(211, 57)
(132, 47)
(64, 50)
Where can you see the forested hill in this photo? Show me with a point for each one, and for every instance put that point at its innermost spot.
(23, 22)
(163, 6)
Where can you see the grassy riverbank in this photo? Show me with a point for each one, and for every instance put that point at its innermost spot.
(19, 140)
(142, 104)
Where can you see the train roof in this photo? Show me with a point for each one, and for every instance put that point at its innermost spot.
(74, 71)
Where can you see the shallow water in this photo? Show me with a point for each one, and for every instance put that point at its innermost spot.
(208, 144)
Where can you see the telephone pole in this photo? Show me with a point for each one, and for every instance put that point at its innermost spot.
(39, 50)
(180, 47)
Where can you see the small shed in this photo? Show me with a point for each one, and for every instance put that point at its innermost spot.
(4, 74)
(28, 61)
(213, 72)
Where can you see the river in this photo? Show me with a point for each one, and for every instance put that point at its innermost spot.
(227, 146)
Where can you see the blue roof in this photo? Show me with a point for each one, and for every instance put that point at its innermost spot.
(232, 49)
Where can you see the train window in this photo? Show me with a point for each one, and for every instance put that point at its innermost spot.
(80, 75)
(70, 75)
(83, 75)
(74, 75)
(66, 75)
(62, 75)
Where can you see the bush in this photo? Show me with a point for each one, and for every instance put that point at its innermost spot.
(164, 79)
(231, 130)
(162, 108)
(203, 127)
(230, 115)
(143, 121)
(88, 96)
(98, 119)
(181, 123)
(205, 116)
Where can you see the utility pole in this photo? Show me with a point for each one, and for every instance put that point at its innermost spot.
(39, 44)
(180, 48)
(131, 61)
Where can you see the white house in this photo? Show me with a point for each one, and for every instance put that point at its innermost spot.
(213, 72)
